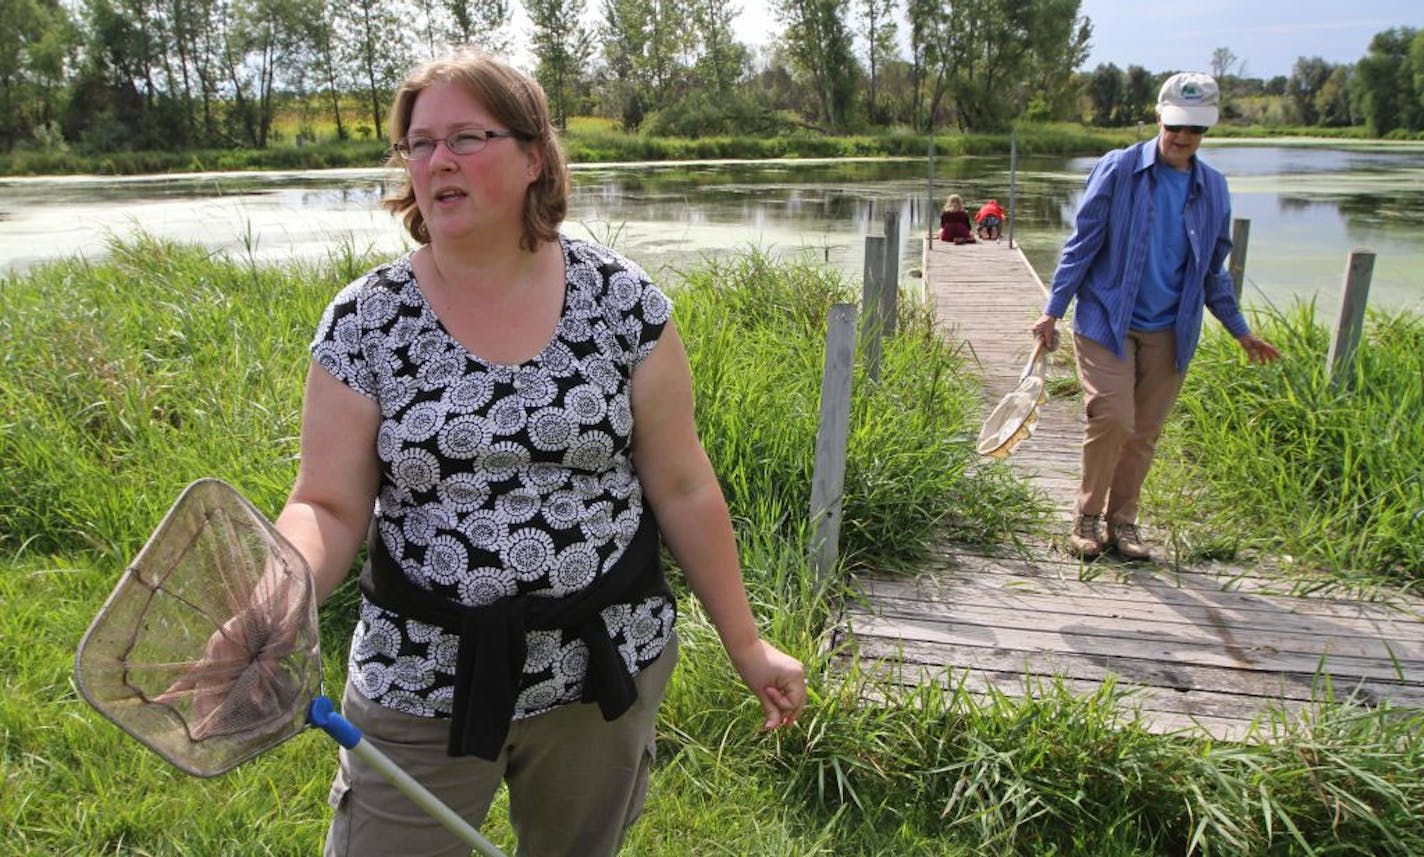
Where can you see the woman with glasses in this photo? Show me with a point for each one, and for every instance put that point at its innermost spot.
(516, 406)
(1148, 252)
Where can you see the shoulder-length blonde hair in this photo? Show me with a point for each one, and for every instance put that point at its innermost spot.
(515, 100)
(954, 203)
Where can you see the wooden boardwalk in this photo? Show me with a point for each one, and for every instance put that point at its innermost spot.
(986, 295)
(1208, 647)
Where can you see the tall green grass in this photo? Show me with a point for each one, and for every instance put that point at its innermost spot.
(1276, 461)
(756, 331)
(122, 381)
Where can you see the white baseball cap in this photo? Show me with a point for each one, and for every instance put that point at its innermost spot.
(1189, 98)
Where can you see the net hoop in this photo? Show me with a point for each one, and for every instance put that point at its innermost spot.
(1016, 415)
(191, 586)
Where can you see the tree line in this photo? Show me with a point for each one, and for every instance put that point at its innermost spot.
(1383, 91)
(113, 75)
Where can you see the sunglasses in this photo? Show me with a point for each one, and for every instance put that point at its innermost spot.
(1190, 129)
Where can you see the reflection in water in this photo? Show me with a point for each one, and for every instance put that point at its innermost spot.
(1308, 208)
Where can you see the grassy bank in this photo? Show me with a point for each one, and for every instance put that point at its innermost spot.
(123, 381)
(597, 141)
(591, 140)
(587, 141)
(1278, 462)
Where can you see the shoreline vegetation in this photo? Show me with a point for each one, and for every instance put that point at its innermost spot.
(128, 378)
(593, 141)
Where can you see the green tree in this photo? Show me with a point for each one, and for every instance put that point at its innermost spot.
(1061, 39)
(646, 45)
(1307, 77)
(819, 47)
(483, 23)
(564, 47)
(878, 30)
(1414, 65)
(1384, 83)
(926, 70)
(624, 42)
(1332, 101)
(721, 60)
(37, 42)
(985, 54)
(115, 95)
(204, 40)
(375, 41)
(1139, 97)
(266, 44)
(1225, 65)
(1105, 93)
(326, 66)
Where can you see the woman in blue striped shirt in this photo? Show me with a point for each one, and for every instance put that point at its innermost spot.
(1148, 252)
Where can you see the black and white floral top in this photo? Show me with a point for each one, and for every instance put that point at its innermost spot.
(500, 480)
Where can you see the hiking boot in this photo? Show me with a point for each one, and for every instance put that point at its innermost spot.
(1127, 541)
(1086, 540)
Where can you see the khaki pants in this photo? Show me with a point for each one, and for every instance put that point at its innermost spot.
(576, 782)
(1126, 401)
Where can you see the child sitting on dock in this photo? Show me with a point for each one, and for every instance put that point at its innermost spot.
(954, 221)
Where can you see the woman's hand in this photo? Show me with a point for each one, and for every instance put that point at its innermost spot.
(241, 681)
(1045, 330)
(1258, 350)
(777, 679)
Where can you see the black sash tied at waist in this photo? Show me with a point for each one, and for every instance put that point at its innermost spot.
(492, 647)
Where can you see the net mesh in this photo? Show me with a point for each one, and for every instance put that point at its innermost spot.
(207, 651)
(1016, 414)
(1013, 419)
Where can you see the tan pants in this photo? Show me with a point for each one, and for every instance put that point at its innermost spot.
(576, 782)
(1126, 400)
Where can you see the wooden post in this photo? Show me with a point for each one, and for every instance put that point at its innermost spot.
(1240, 237)
(1351, 321)
(832, 435)
(871, 303)
(890, 281)
(930, 220)
(1013, 182)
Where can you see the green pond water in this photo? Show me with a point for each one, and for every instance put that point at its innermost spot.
(1309, 207)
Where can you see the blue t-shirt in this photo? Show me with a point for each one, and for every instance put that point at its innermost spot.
(1160, 292)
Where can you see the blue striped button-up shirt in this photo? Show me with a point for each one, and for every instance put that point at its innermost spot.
(1103, 262)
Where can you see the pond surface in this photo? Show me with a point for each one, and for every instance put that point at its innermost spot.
(1308, 207)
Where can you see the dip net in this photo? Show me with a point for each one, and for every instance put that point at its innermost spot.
(207, 650)
(1013, 419)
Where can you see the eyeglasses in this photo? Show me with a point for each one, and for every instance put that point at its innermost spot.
(465, 142)
(1190, 129)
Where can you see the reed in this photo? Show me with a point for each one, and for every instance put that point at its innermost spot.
(1277, 462)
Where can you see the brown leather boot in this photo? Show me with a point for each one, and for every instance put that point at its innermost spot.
(1086, 539)
(1127, 541)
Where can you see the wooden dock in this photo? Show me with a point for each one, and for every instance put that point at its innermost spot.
(986, 296)
(1210, 647)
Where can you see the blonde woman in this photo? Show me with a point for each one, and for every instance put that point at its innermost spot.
(954, 221)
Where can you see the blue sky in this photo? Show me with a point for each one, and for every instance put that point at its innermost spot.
(1267, 34)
